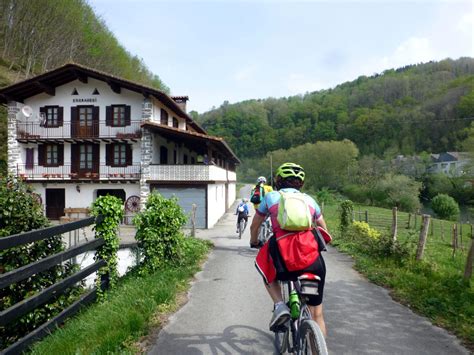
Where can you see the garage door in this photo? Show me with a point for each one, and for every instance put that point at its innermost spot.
(186, 197)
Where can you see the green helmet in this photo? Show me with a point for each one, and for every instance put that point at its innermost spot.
(290, 170)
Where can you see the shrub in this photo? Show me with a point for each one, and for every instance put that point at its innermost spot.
(371, 242)
(159, 231)
(397, 190)
(21, 212)
(346, 209)
(111, 209)
(445, 207)
(363, 230)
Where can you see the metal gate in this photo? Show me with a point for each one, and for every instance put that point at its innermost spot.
(186, 197)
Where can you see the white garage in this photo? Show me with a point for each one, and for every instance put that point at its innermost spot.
(187, 196)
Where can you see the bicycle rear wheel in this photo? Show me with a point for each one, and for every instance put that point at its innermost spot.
(241, 228)
(312, 339)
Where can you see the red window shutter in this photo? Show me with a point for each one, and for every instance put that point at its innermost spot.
(74, 158)
(41, 157)
(60, 154)
(95, 113)
(74, 114)
(108, 116)
(164, 117)
(109, 151)
(60, 116)
(29, 158)
(127, 115)
(128, 154)
(96, 156)
(74, 119)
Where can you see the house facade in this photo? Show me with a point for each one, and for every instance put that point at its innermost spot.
(75, 133)
(450, 163)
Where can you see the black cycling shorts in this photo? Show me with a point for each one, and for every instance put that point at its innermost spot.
(318, 268)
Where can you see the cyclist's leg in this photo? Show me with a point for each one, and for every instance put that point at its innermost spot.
(274, 290)
(316, 303)
(317, 315)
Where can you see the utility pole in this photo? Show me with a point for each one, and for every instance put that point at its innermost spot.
(271, 171)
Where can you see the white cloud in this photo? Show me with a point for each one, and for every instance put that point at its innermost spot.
(466, 24)
(245, 73)
(413, 50)
(299, 84)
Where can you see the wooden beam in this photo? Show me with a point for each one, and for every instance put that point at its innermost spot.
(49, 326)
(9, 98)
(50, 90)
(45, 263)
(34, 235)
(80, 76)
(114, 86)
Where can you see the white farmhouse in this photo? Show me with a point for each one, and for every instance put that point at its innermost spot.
(75, 133)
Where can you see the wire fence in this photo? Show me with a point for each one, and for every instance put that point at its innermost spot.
(458, 235)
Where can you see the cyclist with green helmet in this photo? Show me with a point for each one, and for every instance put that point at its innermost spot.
(289, 254)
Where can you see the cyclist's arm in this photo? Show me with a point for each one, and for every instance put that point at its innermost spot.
(256, 222)
(321, 222)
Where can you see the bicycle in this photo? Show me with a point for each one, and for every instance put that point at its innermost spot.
(241, 227)
(306, 336)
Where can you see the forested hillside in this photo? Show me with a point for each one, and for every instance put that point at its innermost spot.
(424, 107)
(39, 35)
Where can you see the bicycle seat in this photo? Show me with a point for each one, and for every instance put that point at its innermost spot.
(309, 284)
(309, 276)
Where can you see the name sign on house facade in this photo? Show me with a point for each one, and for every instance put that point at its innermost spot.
(85, 100)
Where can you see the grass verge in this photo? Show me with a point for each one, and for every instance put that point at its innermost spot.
(433, 287)
(129, 311)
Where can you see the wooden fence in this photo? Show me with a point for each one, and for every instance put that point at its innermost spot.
(443, 230)
(457, 235)
(27, 305)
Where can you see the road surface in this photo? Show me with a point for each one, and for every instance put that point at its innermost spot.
(229, 310)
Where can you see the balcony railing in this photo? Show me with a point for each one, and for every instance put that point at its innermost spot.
(64, 172)
(35, 131)
(190, 173)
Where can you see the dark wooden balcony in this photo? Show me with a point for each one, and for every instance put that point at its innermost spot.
(34, 132)
(64, 172)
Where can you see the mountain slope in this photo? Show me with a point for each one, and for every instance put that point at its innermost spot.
(424, 107)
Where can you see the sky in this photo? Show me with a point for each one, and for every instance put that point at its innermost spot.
(216, 51)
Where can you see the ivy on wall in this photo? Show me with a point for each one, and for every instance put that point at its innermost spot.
(109, 212)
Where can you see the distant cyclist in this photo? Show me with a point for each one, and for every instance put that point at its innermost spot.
(289, 254)
(242, 212)
(259, 191)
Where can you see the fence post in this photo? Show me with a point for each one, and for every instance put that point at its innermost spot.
(469, 262)
(432, 227)
(442, 230)
(394, 224)
(366, 216)
(454, 241)
(409, 218)
(423, 236)
(460, 234)
(193, 220)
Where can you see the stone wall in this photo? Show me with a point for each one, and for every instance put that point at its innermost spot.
(13, 152)
(146, 153)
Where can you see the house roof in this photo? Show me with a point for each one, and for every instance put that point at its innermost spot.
(198, 141)
(47, 82)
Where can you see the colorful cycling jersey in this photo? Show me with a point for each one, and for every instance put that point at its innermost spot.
(245, 208)
(266, 189)
(269, 206)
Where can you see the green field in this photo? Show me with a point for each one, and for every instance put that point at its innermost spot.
(433, 287)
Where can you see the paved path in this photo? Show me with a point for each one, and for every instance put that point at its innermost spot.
(228, 309)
